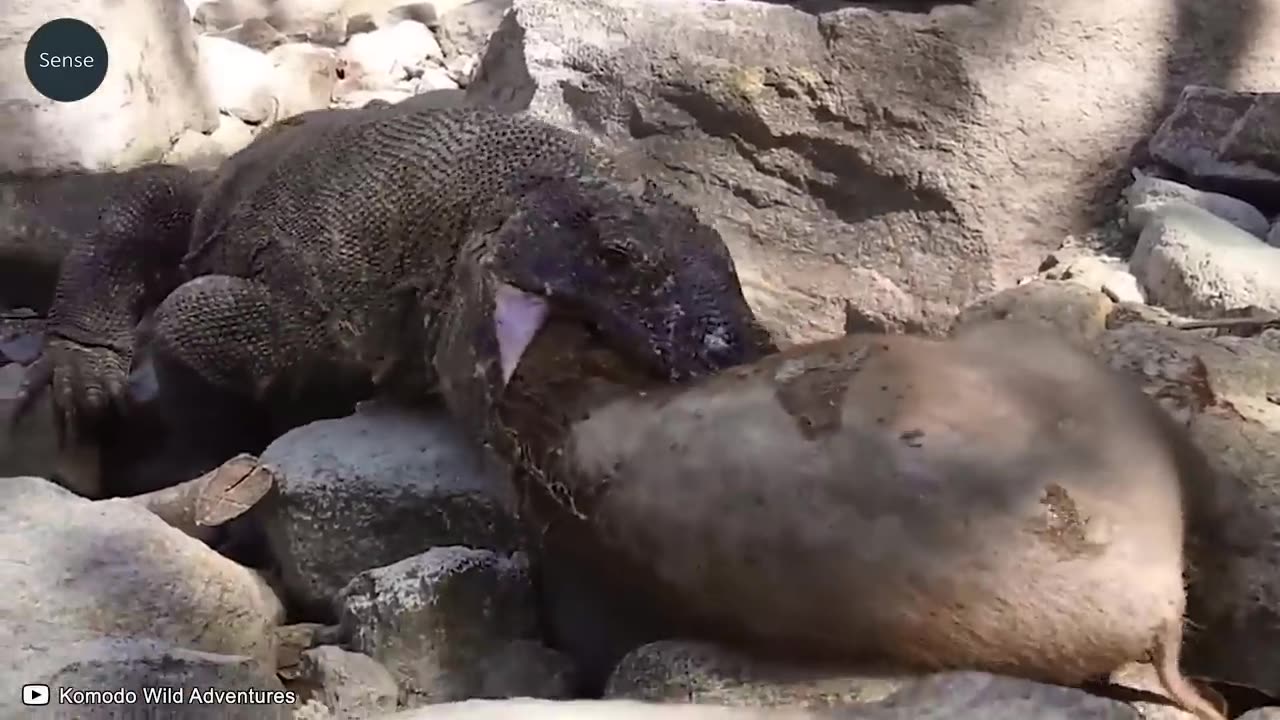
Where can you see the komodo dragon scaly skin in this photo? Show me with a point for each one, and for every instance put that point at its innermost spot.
(325, 249)
(41, 218)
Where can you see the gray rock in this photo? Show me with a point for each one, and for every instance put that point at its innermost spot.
(31, 447)
(138, 666)
(255, 33)
(293, 640)
(373, 488)
(352, 686)
(1148, 193)
(436, 619)
(1226, 141)
(323, 21)
(465, 29)
(944, 151)
(1273, 237)
(698, 672)
(529, 709)
(954, 696)
(1195, 263)
(314, 710)
(110, 568)
(526, 668)
(1266, 713)
(979, 696)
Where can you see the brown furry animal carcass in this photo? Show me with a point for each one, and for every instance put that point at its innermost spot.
(997, 501)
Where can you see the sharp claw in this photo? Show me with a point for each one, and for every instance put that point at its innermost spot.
(69, 434)
(39, 376)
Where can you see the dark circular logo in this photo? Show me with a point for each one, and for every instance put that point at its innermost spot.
(66, 59)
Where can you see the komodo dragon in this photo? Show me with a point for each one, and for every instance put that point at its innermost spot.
(41, 217)
(323, 253)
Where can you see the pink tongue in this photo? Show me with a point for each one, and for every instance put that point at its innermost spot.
(517, 317)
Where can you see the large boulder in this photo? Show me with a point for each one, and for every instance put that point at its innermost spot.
(373, 488)
(103, 594)
(911, 158)
(153, 90)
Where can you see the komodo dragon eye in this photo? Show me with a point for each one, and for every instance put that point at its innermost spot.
(624, 252)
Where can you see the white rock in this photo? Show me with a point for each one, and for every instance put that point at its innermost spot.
(1148, 194)
(305, 77)
(1193, 262)
(461, 68)
(88, 569)
(207, 151)
(391, 54)
(241, 80)
(436, 78)
(150, 95)
(1110, 277)
(360, 98)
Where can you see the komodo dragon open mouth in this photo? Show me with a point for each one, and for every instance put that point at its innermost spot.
(517, 318)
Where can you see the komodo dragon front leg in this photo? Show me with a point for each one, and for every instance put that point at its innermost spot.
(112, 275)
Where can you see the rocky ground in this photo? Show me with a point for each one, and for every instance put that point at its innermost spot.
(914, 168)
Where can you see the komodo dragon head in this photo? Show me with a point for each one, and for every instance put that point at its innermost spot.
(651, 280)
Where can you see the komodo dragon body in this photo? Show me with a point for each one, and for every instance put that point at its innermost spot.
(326, 247)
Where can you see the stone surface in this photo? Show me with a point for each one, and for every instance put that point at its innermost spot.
(255, 33)
(1195, 263)
(688, 671)
(1077, 312)
(137, 665)
(1110, 276)
(954, 696)
(384, 57)
(207, 151)
(318, 20)
(349, 684)
(76, 572)
(526, 668)
(152, 92)
(240, 79)
(1148, 193)
(436, 620)
(1225, 141)
(943, 152)
(305, 77)
(373, 488)
(527, 709)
